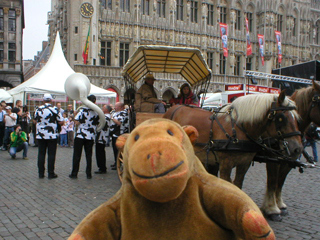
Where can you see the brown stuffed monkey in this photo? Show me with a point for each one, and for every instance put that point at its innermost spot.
(167, 194)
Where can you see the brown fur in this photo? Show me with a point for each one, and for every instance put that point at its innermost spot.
(184, 203)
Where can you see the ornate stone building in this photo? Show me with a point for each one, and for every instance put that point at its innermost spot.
(11, 27)
(118, 27)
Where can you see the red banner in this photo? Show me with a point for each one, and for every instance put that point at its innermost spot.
(278, 37)
(86, 48)
(261, 47)
(224, 38)
(233, 87)
(249, 48)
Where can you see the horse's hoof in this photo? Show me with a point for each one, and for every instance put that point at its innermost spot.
(284, 211)
(274, 217)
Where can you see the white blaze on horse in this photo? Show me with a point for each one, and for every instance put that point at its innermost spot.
(231, 138)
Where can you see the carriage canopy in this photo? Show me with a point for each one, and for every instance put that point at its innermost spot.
(188, 62)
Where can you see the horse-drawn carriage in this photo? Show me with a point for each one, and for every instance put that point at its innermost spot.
(232, 137)
(186, 62)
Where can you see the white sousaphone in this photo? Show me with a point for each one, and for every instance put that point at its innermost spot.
(77, 87)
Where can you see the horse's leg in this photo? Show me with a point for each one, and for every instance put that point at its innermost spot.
(225, 165)
(283, 172)
(269, 205)
(241, 171)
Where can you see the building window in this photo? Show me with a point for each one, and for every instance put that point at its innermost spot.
(161, 8)
(76, 57)
(210, 14)
(180, 10)
(75, 29)
(238, 20)
(12, 52)
(124, 54)
(318, 32)
(237, 66)
(145, 6)
(294, 30)
(250, 21)
(105, 54)
(125, 5)
(279, 22)
(210, 59)
(222, 64)
(249, 63)
(1, 19)
(12, 20)
(1, 52)
(223, 14)
(194, 11)
(106, 4)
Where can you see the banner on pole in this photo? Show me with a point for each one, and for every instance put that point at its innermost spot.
(86, 48)
(224, 38)
(278, 37)
(249, 48)
(261, 47)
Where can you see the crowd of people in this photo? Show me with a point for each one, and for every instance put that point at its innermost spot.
(67, 128)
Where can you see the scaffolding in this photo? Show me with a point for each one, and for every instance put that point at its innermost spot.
(269, 76)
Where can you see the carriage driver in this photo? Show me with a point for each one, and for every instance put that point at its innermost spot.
(146, 98)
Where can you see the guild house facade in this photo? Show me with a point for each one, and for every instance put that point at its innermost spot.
(98, 36)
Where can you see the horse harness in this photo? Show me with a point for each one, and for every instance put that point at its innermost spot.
(232, 143)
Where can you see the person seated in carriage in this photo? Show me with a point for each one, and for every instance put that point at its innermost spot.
(146, 98)
(185, 97)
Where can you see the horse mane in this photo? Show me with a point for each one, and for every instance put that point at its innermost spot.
(302, 98)
(253, 108)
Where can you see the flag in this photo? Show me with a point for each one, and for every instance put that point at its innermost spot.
(249, 48)
(278, 37)
(224, 38)
(261, 47)
(86, 48)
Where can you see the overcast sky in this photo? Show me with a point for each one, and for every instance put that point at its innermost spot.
(36, 28)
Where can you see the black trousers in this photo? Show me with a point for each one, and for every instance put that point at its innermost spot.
(115, 149)
(79, 143)
(1, 133)
(101, 157)
(51, 145)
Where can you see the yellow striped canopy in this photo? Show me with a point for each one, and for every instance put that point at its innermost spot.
(188, 62)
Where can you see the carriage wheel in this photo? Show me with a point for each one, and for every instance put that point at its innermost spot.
(120, 164)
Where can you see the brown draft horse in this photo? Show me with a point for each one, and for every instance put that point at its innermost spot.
(247, 117)
(308, 106)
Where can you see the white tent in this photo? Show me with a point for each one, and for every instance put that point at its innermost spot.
(51, 78)
(4, 95)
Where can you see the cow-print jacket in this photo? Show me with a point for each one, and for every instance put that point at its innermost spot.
(102, 136)
(47, 118)
(88, 120)
(116, 130)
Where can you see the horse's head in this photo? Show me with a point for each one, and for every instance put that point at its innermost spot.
(282, 131)
(308, 105)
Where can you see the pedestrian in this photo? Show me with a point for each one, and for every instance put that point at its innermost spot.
(312, 135)
(34, 130)
(101, 142)
(2, 125)
(69, 111)
(87, 121)
(59, 108)
(18, 142)
(119, 125)
(25, 120)
(10, 120)
(47, 117)
(146, 98)
(18, 110)
(70, 131)
(64, 135)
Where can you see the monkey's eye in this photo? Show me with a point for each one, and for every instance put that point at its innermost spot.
(170, 132)
(136, 137)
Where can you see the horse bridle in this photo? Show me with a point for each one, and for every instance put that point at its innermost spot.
(280, 120)
(315, 102)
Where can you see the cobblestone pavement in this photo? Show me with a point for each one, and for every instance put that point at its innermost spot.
(33, 208)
